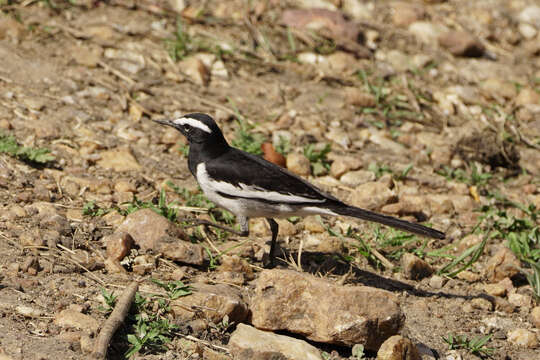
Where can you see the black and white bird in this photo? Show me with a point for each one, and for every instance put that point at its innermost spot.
(251, 187)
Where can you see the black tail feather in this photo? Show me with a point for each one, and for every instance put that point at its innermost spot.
(346, 210)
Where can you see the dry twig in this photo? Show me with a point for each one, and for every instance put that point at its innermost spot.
(115, 320)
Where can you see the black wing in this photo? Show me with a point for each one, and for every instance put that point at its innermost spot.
(258, 173)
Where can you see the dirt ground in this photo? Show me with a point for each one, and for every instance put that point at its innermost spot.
(443, 124)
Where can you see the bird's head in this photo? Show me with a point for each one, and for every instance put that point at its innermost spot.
(196, 127)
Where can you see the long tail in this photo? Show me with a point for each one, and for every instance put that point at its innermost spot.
(346, 210)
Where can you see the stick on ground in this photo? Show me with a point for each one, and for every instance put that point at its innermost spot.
(115, 319)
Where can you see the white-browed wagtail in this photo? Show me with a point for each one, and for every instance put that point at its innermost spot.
(250, 187)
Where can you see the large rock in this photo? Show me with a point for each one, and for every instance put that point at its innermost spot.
(150, 230)
(248, 343)
(323, 311)
(211, 303)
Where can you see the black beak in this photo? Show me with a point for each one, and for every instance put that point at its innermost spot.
(171, 124)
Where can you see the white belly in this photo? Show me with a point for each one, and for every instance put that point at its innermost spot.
(251, 208)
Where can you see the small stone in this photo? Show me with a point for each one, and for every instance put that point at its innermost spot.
(535, 316)
(119, 159)
(520, 300)
(357, 177)
(88, 56)
(210, 302)
(234, 263)
(482, 304)
(195, 69)
(87, 344)
(143, 264)
(371, 195)
(118, 245)
(426, 32)
(147, 228)
(247, 343)
(73, 319)
(404, 14)
(523, 338)
(437, 282)
(342, 164)
(415, 268)
(527, 30)
(313, 224)
(181, 251)
(298, 164)
(528, 96)
(398, 348)
(270, 154)
(301, 303)
(504, 89)
(357, 97)
(30, 265)
(28, 311)
(461, 43)
(495, 289)
(504, 264)
(125, 186)
(530, 15)
(468, 276)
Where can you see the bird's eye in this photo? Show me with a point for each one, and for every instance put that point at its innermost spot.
(186, 128)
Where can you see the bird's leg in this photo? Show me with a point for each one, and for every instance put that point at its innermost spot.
(244, 225)
(274, 228)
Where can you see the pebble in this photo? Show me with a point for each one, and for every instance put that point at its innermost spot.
(482, 304)
(247, 343)
(119, 160)
(404, 14)
(118, 245)
(323, 311)
(520, 300)
(313, 224)
(461, 43)
(426, 32)
(398, 347)
(371, 195)
(143, 264)
(212, 303)
(504, 264)
(527, 96)
(298, 164)
(535, 316)
(357, 177)
(357, 97)
(523, 338)
(495, 289)
(437, 282)
(530, 15)
(499, 87)
(415, 268)
(70, 318)
(195, 69)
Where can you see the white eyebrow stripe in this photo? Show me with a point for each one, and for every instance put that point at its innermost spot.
(193, 122)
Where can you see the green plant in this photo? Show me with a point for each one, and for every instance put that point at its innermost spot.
(181, 45)
(247, 140)
(522, 235)
(91, 209)
(318, 159)
(9, 145)
(379, 170)
(184, 150)
(474, 177)
(476, 345)
(358, 352)
(283, 147)
(174, 289)
(110, 301)
(163, 208)
(151, 330)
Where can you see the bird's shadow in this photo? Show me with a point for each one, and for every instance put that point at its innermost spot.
(333, 263)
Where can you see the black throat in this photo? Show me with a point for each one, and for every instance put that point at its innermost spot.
(212, 147)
